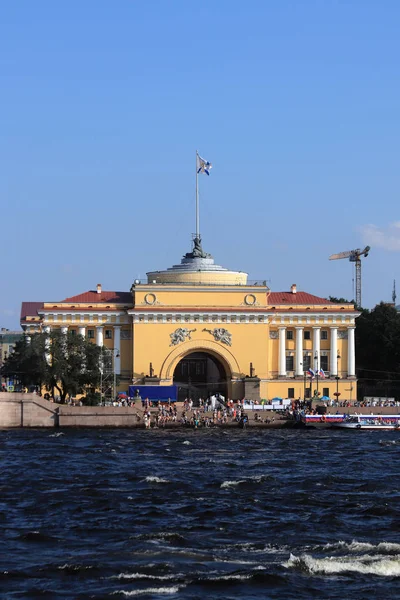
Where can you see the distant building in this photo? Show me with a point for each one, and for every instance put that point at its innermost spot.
(8, 339)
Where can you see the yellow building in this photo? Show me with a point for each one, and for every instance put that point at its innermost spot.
(206, 329)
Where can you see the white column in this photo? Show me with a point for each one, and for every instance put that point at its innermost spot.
(47, 330)
(117, 350)
(64, 330)
(28, 339)
(99, 336)
(299, 351)
(282, 352)
(316, 364)
(351, 353)
(333, 361)
(82, 331)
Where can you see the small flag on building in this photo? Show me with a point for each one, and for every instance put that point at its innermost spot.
(321, 373)
(203, 166)
(311, 373)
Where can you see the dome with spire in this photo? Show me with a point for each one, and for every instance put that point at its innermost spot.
(197, 267)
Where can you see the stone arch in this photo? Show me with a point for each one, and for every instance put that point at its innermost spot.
(224, 355)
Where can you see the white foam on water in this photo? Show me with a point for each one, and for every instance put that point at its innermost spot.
(187, 443)
(228, 484)
(153, 479)
(161, 590)
(230, 578)
(386, 567)
(236, 562)
(56, 434)
(355, 546)
(145, 576)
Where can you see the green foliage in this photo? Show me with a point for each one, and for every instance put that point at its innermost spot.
(378, 340)
(72, 363)
(340, 300)
(27, 362)
(92, 399)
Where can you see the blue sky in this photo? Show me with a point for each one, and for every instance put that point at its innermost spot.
(296, 104)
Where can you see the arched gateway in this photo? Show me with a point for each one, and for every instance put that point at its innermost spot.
(200, 375)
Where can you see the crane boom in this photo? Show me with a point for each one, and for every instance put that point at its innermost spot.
(354, 256)
(341, 255)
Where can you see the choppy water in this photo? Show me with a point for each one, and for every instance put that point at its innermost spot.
(194, 514)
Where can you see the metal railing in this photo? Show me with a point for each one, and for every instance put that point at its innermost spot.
(250, 282)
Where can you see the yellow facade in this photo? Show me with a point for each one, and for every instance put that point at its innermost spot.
(263, 341)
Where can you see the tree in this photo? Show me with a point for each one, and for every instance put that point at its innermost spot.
(57, 361)
(378, 351)
(340, 300)
(27, 363)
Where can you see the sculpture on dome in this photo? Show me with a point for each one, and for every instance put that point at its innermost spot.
(197, 251)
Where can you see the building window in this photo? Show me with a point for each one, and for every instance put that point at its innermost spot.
(325, 392)
(308, 393)
(307, 335)
(108, 334)
(72, 331)
(324, 363)
(324, 334)
(290, 393)
(289, 334)
(289, 363)
(306, 363)
(90, 334)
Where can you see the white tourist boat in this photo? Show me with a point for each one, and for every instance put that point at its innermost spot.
(371, 422)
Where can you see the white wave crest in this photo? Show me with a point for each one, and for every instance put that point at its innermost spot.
(187, 443)
(154, 479)
(145, 576)
(355, 546)
(230, 577)
(386, 567)
(161, 590)
(56, 434)
(228, 484)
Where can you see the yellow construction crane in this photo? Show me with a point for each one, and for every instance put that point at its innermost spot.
(354, 256)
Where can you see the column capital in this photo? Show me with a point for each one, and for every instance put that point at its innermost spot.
(316, 326)
(299, 327)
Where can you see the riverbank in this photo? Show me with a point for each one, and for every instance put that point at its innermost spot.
(30, 410)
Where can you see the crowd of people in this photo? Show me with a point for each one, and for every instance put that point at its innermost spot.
(202, 415)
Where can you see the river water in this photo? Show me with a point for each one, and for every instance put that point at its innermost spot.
(194, 514)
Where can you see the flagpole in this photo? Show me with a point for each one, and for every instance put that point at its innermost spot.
(197, 199)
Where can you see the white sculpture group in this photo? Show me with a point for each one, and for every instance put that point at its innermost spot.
(220, 334)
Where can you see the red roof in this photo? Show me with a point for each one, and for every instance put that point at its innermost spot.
(94, 297)
(297, 298)
(29, 309)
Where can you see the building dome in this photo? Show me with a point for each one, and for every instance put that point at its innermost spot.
(198, 268)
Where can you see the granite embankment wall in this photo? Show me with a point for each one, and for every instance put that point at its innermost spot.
(26, 410)
(30, 410)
